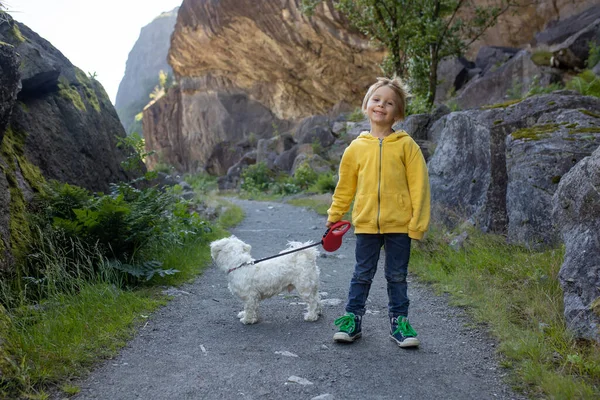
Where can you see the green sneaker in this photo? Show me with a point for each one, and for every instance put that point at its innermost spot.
(402, 333)
(349, 328)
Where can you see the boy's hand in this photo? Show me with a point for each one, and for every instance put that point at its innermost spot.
(328, 224)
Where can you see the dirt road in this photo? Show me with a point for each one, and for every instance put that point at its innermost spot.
(195, 347)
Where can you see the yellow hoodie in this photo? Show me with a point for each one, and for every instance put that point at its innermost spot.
(389, 182)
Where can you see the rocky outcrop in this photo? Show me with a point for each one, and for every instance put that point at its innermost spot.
(146, 59)
(576, 209)
(9, 83)
(521, 26)
(294, 65)
(205, 130)
(62, 126)
(500, 167)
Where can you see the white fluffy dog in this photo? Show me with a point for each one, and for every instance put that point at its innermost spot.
(255, 282)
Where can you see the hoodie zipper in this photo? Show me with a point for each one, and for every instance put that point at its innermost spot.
(379, 185)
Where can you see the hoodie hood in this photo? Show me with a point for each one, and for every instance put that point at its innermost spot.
(392, 137)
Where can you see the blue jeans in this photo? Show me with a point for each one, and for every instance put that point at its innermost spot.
(397, 254)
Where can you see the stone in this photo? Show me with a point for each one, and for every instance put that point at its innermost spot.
(576, 211)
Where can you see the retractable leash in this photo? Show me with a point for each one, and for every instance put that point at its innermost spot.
(331, 241)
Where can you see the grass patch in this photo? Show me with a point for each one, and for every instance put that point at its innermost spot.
(66, 334)
(534, 132)
(541, 57)
(502, 105)
(516, 293)
(82, 320)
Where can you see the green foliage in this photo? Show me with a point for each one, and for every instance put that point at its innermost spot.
(356, 116)
(165, 81)
(417, 105)
(201, 182)
(123, 227)
(593, 56)
(136, 146)
(541, 57)
(325, 184)
(304, 176)
(146, 270)
(70, 93)
(257, 178)
(419, 34)
(515, 293)
(535, 88)
(515, 92)
(587, 83)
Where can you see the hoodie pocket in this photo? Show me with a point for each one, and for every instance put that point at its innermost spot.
(395, 210)
(365, 210)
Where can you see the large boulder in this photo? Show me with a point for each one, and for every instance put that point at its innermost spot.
(500, 167)
(68, 126)
(538, 156)
(62, 126)
(576, 209)
(516, 75)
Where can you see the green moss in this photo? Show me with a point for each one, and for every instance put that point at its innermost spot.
(571, 126)
(502, 105)
(551, 103)
(589, 113)
(498, 122)
(23, 106)
(541, 57)
(16, 33)
(88, 89)
(70, 93)
(534, 132)
(12, 153)
(591, 129)
(556, 179)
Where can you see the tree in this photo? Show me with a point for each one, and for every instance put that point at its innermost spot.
(419, 34)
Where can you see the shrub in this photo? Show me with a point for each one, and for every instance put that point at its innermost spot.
(536, 88)
(304, 176)
(356, 116)
(586, 83)
(593, 56)
(256, 178)
(124, 228)
(325, 183)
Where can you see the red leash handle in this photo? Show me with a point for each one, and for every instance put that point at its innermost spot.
(332, 238)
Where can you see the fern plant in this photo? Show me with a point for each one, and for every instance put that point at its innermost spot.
(587, 83)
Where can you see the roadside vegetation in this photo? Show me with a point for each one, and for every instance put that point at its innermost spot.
(514, 294)
(91, 269)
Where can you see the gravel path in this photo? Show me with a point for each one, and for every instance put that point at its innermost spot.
(195, 347)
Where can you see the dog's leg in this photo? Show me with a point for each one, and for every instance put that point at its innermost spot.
(250, 313)
(313, 308)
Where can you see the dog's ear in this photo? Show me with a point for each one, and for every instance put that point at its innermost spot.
(215, 249)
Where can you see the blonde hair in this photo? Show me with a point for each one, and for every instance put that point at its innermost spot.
(397, 86)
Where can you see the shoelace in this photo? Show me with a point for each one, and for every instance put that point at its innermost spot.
(346, 323)
(404, 328)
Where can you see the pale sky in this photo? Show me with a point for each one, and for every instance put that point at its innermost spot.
(95, 36)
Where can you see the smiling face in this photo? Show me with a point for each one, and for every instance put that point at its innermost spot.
(383, 107)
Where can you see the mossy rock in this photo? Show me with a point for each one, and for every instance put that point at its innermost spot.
(536, 132)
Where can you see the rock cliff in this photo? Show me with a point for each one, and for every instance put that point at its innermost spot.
(294, 65)
(57, 123)
(146, 59)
